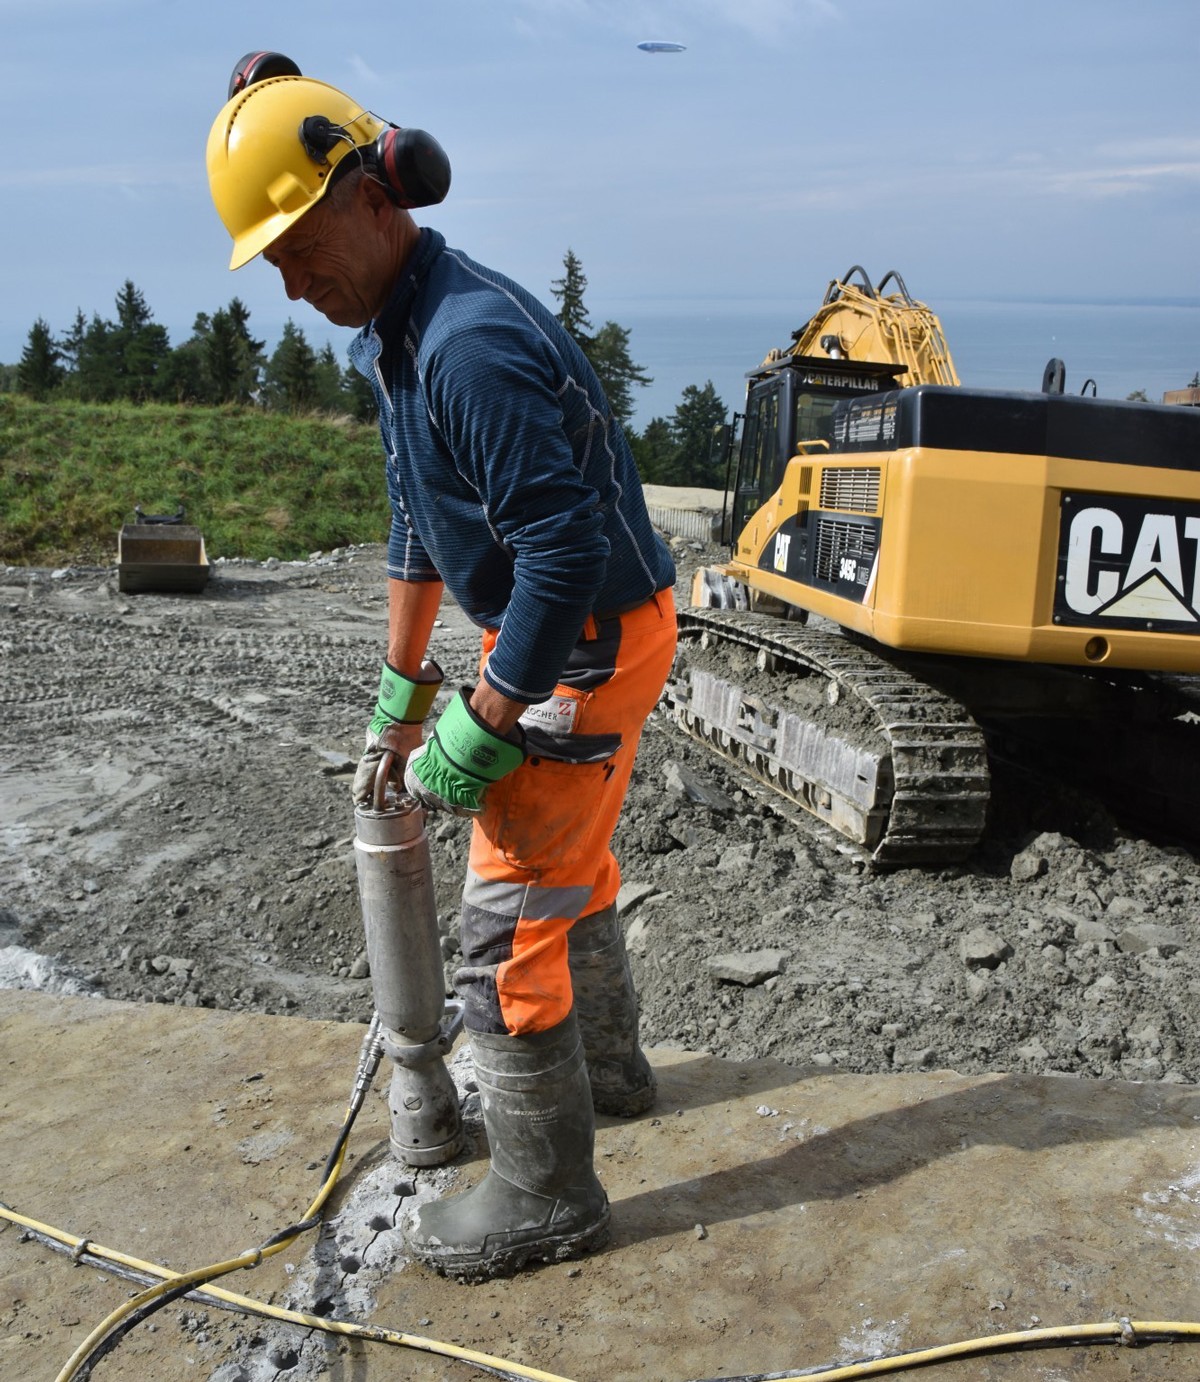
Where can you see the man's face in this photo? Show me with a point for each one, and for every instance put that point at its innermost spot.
(332, 259)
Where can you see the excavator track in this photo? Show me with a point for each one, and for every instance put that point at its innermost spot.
(892, 764)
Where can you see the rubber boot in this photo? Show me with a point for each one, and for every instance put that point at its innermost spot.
(606, 1004)
(540, 1200)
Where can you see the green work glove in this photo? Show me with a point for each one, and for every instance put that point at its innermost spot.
(400, 709)
(459, 761)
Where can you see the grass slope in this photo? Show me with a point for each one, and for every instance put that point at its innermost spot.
(256, 484)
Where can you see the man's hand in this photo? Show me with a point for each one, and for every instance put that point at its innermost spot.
(400, 741)
(395, 726)
(460, 760)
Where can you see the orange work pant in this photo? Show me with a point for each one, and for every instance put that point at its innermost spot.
(540, 853)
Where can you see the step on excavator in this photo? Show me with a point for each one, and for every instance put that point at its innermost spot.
(924, 576)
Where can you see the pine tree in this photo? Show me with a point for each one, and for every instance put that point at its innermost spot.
(329, 397)
(360, 397)
(39, 372)
(182, 378)
(290, 383)
(657, 454)
(610, 358)
(70, 345)
(694, 427)
(569, 290)
(607, 350)
(142, 346)
(98, 367)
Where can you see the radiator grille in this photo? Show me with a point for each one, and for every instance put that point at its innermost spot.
(850, 487)
(836, 537)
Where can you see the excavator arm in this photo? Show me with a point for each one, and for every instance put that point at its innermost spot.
(859, 322)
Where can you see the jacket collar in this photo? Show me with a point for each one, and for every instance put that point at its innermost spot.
(395, 312)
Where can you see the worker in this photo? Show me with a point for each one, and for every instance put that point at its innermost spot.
(512, 487)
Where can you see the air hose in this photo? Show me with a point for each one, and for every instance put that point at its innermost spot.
(169, 1286)
(1124, 1332)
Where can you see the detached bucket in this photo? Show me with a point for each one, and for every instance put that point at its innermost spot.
(160, 553)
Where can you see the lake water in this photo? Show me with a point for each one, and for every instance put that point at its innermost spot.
(995, 345)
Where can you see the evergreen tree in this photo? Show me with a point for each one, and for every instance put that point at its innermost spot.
(70, 345)
(39, 372)
(569, 290)
(253, 357)
(290, 383)
(609, 354)
(359, 396)
(657, 454)
(607, 350)
(142, 346)
(232, 361)
(183, 378)
(98, 364)
(329, 397)
(694, 427)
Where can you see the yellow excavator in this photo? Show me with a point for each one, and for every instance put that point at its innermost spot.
(921, 572)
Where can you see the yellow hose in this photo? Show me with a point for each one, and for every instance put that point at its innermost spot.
(171, 1280)
(1116, 1331)
(1128, 1332)
(1125, 1331)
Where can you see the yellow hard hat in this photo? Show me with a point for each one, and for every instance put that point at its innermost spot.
(271, 154)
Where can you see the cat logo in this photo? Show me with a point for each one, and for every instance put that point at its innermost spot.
(1131, 563)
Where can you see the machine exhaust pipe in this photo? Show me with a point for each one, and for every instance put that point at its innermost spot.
(395, 884)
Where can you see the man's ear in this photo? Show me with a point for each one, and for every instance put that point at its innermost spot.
(377, 198)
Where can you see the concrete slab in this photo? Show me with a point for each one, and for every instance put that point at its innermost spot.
(766, 1219)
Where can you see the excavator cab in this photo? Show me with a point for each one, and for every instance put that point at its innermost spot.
(790, 406)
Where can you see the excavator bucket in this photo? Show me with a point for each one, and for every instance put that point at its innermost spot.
(160, 553)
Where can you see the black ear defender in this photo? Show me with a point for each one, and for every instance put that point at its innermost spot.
(410, 164)
(255, 67)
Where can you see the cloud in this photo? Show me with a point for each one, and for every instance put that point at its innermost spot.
(1121, 181)
(363, 71)
(127, 177)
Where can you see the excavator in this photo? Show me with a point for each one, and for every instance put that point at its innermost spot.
(923, 577)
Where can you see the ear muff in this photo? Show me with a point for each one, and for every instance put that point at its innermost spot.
(412, 165)
(409, 163)
(255, 67)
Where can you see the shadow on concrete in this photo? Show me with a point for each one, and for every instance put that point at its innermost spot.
(1025, 1113)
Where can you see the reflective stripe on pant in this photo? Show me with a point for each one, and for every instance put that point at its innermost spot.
(540, 855)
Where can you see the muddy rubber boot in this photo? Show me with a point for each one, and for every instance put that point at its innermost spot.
(540, 1200)
(606, 1005)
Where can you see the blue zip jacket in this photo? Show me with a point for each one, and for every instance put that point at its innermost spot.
(508, 476)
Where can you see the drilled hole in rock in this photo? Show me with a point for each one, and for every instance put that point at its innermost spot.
(283, 1356)
(323, 1307)
(349, 1264)
(402, 1188)
(380, 1223)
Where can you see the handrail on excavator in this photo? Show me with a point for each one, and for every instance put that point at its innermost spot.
(858, 322)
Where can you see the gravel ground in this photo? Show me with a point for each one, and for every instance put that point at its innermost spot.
(177, 828)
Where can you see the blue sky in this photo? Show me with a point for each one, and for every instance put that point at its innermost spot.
(986, 148)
